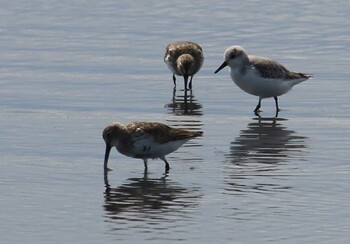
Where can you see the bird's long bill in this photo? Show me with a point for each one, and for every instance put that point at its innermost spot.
(108, 150)
(224, 64)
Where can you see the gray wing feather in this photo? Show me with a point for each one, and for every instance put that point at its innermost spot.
(271, 69)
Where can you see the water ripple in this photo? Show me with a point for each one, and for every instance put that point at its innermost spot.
(258, 157)
(149, 204)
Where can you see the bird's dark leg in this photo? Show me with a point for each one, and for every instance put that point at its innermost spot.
(145, 172)
(256, 110)
(277, 108)
(167, 166)
(185, 81)
(174, 79)
(145, 163)
(190, 85)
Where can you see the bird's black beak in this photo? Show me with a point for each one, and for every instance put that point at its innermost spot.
(224, 64)
(108, 150)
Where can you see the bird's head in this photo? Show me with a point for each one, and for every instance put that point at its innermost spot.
(234, 56)
(111, 135)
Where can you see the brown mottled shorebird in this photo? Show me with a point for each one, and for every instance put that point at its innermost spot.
(185, 59)
(145, 140)
(260, 76)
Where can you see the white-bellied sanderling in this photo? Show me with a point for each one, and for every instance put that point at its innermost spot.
(145, 140)
(184, 58)
(260, 76)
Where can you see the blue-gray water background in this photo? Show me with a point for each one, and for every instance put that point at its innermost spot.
(69, 68)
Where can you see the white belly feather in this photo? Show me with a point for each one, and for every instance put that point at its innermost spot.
(252, 83)
(148, 148)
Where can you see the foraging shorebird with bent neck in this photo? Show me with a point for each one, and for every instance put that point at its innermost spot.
(145, 140)
(185, 59)
(260, 76)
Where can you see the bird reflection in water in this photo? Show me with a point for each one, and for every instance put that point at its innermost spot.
(185, 104)
(258, 153)
(148, 201)
(187, 112)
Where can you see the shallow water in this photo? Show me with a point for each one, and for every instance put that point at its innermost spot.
(69, 69)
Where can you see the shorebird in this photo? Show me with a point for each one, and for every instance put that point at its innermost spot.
(185, 59)
(145, 140)
(260, 76)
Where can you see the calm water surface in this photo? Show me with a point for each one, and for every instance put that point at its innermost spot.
(67, 69)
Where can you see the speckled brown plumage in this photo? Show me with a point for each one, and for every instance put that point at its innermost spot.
(145, 140)
(185, 59)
